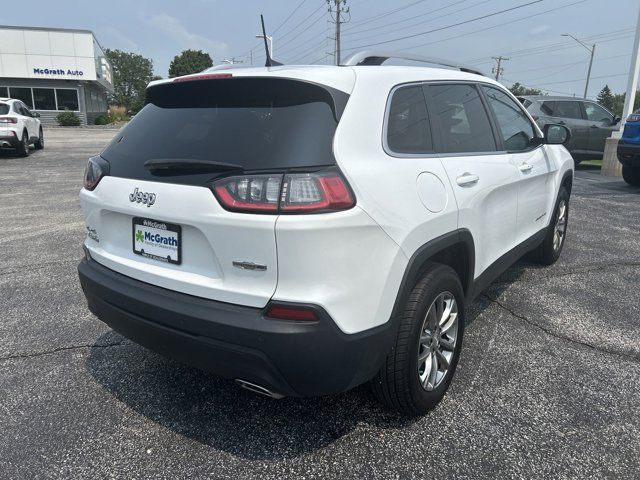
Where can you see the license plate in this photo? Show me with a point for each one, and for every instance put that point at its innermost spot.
(157, 240)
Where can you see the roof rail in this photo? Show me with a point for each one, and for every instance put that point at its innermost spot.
(372, 57)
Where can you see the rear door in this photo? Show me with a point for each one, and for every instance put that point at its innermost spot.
(484, 181)
(601, 126)
(535, 169)
(569, 113)
(155, 216)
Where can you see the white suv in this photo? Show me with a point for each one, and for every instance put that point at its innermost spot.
(19, 127)
(306, 229)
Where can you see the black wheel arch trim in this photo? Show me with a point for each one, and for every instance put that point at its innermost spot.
(426, 253)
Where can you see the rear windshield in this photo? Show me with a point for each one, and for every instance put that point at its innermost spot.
(257, 123)
(4, 108)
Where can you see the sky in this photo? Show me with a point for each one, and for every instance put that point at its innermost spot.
(528, 32)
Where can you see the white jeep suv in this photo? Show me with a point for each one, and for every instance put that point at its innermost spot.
(306, 229)
(19, 127)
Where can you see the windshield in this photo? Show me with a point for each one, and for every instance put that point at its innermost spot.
(256, 123)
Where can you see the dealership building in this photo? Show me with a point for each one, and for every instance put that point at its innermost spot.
(55, 69)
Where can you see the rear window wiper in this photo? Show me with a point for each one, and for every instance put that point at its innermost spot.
(177, 166)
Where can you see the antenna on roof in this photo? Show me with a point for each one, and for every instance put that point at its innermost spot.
(270, 62)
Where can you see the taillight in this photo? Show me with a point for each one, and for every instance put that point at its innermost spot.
(634, 117)
(285, 193)
(8, 120)
(291, 312)
(97, 167)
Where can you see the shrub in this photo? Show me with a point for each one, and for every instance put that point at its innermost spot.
(101, 120)
(68, 119)
(117, 114)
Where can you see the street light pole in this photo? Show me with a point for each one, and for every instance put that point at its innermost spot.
(592, 50)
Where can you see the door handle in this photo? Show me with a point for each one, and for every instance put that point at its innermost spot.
(525, 167)
(594, 126)
(561, 122)
(467, 179)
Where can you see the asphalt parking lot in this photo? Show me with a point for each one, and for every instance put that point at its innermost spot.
(548, 384)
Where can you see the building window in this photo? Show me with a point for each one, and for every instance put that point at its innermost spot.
(23, 94)
(44, 99)
(4, 92)
(67, 99)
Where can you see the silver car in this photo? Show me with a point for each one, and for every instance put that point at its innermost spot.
(590, 123)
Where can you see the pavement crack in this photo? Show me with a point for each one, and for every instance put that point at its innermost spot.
(558, 336)
(61, 349)
(580, 270)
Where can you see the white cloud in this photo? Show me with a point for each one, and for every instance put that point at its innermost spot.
(538, 30)
(175, 30)
(113, 38)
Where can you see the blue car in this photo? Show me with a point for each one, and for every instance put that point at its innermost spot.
(629, 150)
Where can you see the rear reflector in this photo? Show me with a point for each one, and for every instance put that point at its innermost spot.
(316, 192)
(291, 312)
(204, 76)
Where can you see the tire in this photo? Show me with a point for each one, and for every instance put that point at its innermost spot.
(399, 383)
(40, 142)
(631, 175)
(551, 248)
(23, 146)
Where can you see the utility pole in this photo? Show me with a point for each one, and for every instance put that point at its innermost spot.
(270, 40)
(337, 10)
(498, 70)
(592, 50)
(231, 61)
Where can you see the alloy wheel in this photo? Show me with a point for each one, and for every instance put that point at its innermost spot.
(437, 343)
(560, 228)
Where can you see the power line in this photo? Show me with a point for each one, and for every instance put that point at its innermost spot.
(382, 15)
(289, 17)
(494, 26)
(448, 26)
(377, 29)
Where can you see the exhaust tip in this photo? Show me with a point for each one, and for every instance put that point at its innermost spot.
(257, 389)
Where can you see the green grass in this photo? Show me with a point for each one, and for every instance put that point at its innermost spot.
(592, 163)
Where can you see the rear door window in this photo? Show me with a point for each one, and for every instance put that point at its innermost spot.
(4, 108)
(463, 122)
(515, 127)
(256, 123)
(567, 110)
(408, 129)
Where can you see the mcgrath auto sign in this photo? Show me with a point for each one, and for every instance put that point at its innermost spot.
(57, 71)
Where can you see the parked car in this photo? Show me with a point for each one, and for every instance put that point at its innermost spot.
(19, 127)
(590, 123)
(304, 230)
(629, 149)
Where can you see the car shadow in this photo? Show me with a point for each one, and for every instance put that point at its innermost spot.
(215, 412)
(12, 152)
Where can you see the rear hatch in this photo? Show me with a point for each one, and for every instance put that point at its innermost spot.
(155, 217)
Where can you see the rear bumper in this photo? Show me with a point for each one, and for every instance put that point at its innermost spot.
(10, 140)
(232, 341)
(629, 154)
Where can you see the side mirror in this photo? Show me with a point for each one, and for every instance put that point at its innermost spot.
(556, 134)
(36, 114)
(616, 120)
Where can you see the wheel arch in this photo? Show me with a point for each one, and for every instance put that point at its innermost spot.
(455, 249)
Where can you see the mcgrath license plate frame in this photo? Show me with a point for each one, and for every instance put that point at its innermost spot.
(159, 226)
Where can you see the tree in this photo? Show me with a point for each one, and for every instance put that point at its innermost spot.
(606, 98)
(131, 75)
(189, 61)
(519, 90)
